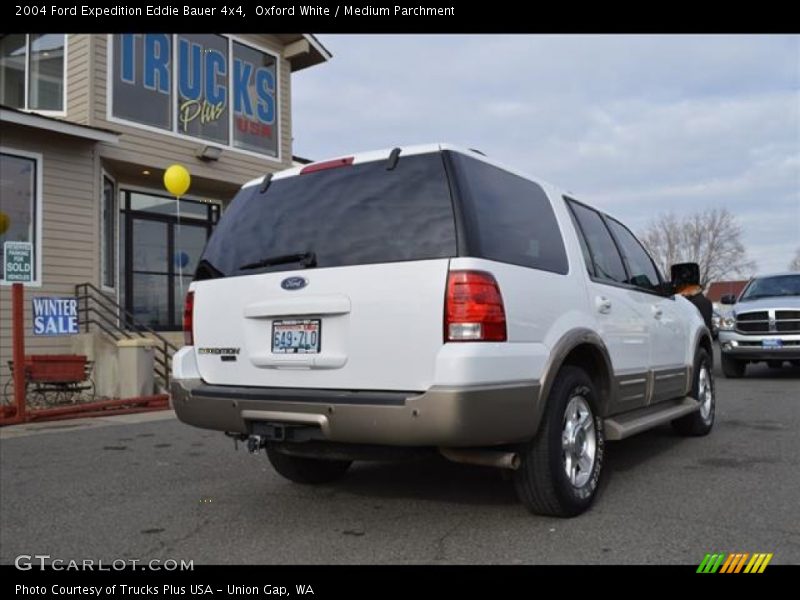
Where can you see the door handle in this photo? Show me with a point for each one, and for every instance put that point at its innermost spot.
(657, 312)
(603, 305)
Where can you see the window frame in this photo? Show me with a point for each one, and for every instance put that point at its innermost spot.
(37, 216)
(26, 93)
(592, 275)
(104, 243)
(127, 215)
(173, 130)
(606, 220)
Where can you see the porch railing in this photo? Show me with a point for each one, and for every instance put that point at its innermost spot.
(96, 309)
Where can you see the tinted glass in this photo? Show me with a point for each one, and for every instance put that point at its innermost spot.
(255, 110)
(202, 109)
(13, 55)
(17, 203)
(46, 86)
(587, 256)
(607, 261)
(642, 272)
(109, 242)
(351, 215)
(508, 218)
(141, 80)
(766, 287)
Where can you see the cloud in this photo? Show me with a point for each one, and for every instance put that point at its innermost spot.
(634, 124)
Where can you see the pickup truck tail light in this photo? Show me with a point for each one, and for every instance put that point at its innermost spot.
(474, 310)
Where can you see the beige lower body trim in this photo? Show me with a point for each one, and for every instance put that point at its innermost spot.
(442, 416)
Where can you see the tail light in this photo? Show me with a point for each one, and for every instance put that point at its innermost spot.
(474, 309)
(328, 164)
(188, 319)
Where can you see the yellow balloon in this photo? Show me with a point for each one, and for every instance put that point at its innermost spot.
(177, 180)
(4, 222)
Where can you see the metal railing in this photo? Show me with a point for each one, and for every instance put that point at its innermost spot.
(96, 308)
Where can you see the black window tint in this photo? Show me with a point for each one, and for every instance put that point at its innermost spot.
(607, 261)
(587, 256)
(508, 218)
(351, 215)
(642, 272)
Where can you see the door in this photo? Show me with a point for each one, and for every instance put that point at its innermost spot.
(624, 315)
(161, 254)
(668, 330)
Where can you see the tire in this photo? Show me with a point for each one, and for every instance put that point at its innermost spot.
(774, 364)
(541, 482)
(732, 368)
(701, 421)
(301, 469)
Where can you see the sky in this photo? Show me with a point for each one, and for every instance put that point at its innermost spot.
(634, 125)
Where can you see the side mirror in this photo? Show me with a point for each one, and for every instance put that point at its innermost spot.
(728, 299)
(666, 288)
(685, 274)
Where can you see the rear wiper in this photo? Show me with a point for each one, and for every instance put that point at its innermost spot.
(306, 259)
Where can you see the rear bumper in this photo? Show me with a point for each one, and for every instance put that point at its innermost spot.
(749, 347)
(443, 416)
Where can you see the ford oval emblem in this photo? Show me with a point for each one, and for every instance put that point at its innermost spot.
(294, 283)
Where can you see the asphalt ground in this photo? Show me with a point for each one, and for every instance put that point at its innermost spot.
(149, 487)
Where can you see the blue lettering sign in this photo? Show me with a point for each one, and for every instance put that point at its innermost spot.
(241, 91)
(215, 64)
(156, 62)
(55, 316)
(265, 86)
(190, 81)
(128, 58)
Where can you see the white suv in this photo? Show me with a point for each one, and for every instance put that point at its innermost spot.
(428, 298)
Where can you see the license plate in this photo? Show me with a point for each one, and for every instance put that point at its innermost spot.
(297, 336)
(771, 343)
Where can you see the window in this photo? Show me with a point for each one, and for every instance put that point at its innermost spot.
(642, 272)
(32, 71)
(606, 262)
(508, 218)
(19, 204)
(159, 253)
(108, 237)
(203, 86)
(353, 215)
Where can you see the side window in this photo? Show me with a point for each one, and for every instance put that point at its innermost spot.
(587, 256)
(604, 254)
(508, 218)
(643, 273)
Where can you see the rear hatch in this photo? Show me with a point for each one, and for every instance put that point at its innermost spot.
(331, 278)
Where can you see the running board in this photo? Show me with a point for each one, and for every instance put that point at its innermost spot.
(625, 425)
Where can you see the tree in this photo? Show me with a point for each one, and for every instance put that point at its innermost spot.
(712, 238)
(795, 264)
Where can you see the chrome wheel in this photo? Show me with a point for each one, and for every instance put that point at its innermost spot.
(578, 441)
(705, 393)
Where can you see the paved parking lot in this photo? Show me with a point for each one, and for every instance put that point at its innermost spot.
(154, 488)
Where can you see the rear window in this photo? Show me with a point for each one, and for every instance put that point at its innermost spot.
(507, 218)
(352, 215)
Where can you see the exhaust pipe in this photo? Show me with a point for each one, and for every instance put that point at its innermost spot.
(486, 458)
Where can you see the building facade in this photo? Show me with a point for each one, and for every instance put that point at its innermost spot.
(89, 125)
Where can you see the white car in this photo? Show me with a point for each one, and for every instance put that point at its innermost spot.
(430, 299)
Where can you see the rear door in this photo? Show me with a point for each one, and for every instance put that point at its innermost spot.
(623, 314)
(332, 278)
(668, 328)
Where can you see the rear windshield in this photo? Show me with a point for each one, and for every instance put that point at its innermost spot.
(351, 215)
